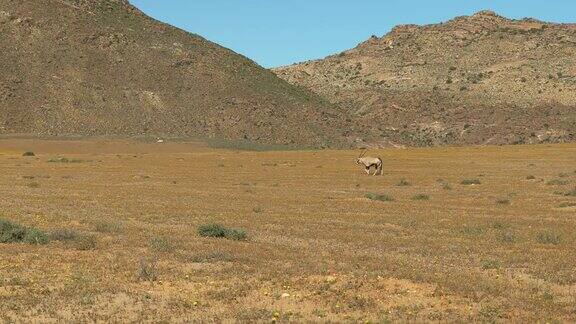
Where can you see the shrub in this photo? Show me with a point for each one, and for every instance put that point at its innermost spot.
(530, 177)
(473, 230)
(107, 227)
(420, 197)
(503, 201)
(236, 234)
(33, 185)
(378, 197)
(85, 242)
(468, 182)
(557, 182)
(29, 153)
(571, 193)
(79, 241)
(64, 235)
(10, 232)
(219, 231)
(65, 160)
(16, 233)
(403, 183)
(491, 264)
(549, 237)
(36, 236)
(567, 204)
(161, 244)
(507, 237)
(147, 270)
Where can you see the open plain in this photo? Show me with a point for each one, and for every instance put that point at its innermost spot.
(446, 234)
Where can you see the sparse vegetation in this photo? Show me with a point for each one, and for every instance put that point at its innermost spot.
(378, 197)
(64, 235)
(247, 145)
(15, 233)
(403, 183)
(557, 182)
(107, 226)
(219, 231)
(79, 241)
(85, 242)
(549, 237)
(420, 197)
(469, 182)
(491, 264)
(473, 230)
(161, 244)
(567, 204)
(35, 236)
(459, 247)
(507, 237)
(503, 201)
(64, 160)
(33, 185)
(147, 270)
(29, 153)
(530, 177)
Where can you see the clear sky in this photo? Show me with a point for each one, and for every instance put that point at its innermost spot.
(281, 32)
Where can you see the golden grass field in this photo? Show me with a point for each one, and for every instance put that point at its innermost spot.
(317, 249)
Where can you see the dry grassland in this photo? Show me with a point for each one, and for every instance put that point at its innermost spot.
(123, 224)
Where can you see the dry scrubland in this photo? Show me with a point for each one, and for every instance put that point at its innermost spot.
(122, 219)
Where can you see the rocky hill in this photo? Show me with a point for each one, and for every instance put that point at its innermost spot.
(473, 80)
(103, 68)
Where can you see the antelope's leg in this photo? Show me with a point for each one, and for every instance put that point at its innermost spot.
(368, 170)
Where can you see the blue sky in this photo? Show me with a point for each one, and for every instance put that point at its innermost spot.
(281, 32)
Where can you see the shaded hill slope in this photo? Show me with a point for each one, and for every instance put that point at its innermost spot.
(103, 68)
(473, 80)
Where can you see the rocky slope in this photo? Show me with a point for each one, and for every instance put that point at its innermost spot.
(103, 68)
(472, 80)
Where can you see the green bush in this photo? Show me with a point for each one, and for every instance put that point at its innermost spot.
(16, 233)
(378, 197)
(10, 232)
(219, 231)
(36, 236)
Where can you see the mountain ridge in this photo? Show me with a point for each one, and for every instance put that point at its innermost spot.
(480, 79)
(104, 68)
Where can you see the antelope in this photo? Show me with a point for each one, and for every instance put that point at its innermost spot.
(369, 162)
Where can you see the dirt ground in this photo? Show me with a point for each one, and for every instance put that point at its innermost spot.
(317, 250)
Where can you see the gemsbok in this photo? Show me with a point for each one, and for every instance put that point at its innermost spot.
(369, 162)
